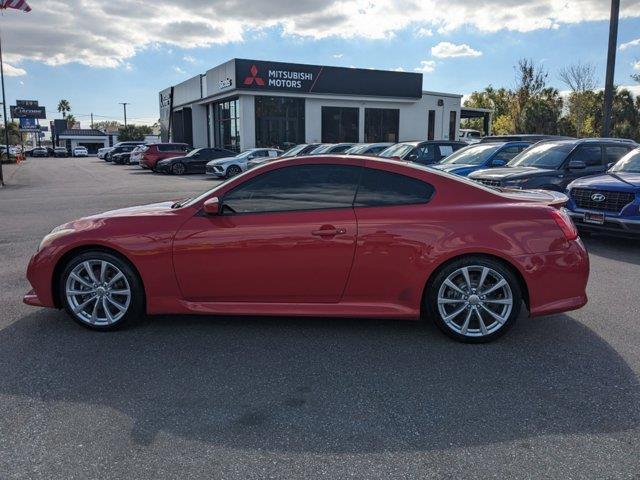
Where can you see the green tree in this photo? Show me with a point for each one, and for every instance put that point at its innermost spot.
(64, 107)
(625, 116)
(531, 81)
(497, 99)
(133, 132)
(71, 121)
(107, 125)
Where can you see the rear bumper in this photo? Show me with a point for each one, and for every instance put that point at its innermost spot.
(556, 281)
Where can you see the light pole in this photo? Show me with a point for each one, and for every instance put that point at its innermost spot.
(124, 106)
(611, 66)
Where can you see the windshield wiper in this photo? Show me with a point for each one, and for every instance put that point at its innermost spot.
(180, 203)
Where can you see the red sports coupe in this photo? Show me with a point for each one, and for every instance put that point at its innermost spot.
(335, 236)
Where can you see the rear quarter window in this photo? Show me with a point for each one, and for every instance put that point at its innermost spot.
(382, 188)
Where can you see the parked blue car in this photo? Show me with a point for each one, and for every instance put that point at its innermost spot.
(481, 155)
(608, 203)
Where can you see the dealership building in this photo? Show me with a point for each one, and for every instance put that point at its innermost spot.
(251, 103)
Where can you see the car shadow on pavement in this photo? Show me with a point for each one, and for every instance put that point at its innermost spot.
(614, 248)
(326, 385)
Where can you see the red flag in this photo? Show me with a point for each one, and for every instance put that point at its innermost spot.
(17, 4)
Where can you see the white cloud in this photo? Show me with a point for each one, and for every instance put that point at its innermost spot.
(426, 66)
(179, 70)
(448, 50)
(56, 32)
(632, 43)
(11, 71)
(424, 32)
(636, 66)
(190, 59)
(337, 55)
(398, 69)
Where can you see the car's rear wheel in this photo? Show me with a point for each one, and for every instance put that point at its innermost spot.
(101, 291)
(178, 169)
(474, 299)
(233, 170)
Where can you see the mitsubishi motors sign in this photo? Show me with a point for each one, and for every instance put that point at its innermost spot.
(293, 77)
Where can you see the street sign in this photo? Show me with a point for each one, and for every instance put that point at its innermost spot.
(18, 111)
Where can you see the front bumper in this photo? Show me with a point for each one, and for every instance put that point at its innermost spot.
(162, 167)
(216, 170)
(612, 225)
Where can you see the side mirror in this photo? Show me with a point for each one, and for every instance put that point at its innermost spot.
(211, 206)
(412, 157)
(610, 165)
(577, 165)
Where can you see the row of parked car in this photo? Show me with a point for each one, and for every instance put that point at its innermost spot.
(57, 152)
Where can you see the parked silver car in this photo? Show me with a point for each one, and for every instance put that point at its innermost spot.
(232, 166)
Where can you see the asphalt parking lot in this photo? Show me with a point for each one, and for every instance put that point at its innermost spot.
(218, 397)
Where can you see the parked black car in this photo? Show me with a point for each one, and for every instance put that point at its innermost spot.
(60, 152)
(425, 153)
(552, 165)
(124, 148)
(122, 158)
(39, 152)
(524, 137)
(128, 148)
(193, 162)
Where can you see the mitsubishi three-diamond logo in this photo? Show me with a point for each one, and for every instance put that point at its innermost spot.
(253, 77)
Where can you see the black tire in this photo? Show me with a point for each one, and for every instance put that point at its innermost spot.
(233, 170)
(136, 303)
(178, 169)
(475, 332)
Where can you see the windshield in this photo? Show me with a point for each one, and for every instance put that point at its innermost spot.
(193, 152)
(546, 155)
(472, 155)
(322, 148)
(630, 163)
(245, 154)
(292, 152)
(397, 150)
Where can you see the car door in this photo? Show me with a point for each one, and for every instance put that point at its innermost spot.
(286, 235)
(593, 159)
(198, 160)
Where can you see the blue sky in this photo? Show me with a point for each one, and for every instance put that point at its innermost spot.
(95, 77)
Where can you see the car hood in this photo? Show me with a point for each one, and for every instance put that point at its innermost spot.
(618, 180)
(510, 173)
(137, 211)
(219, 161)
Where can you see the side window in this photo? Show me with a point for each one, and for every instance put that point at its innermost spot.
(380, 188)
(273, 153)
(591, 155)
(304, 187)
(445, 150)
(426, 154)
(615, 153)
(507, 154)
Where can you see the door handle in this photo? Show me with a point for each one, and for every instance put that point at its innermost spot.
(329, 232)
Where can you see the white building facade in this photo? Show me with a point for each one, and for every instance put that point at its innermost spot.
(250, 103)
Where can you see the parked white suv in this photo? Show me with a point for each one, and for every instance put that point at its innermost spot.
(232, 166)
(80, 152)
(470, 136)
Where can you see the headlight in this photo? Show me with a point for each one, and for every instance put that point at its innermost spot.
(57, 232)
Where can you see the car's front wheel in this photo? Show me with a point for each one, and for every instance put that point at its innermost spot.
(101, 291)
(233, 170)
(474, 299)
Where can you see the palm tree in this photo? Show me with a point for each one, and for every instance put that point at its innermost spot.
(71, 121)
(64, 107)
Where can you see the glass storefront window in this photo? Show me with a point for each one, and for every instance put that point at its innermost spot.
(279, 122)
(226, 124)
(381, 124)
(340, 124)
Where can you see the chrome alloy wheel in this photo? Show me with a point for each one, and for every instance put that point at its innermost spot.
(97, 292)
(475, 301)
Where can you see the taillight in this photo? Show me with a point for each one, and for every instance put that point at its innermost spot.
(563, 220)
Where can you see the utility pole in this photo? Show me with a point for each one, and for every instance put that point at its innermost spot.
(611, 66)
(91, 120)
(124, 105)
